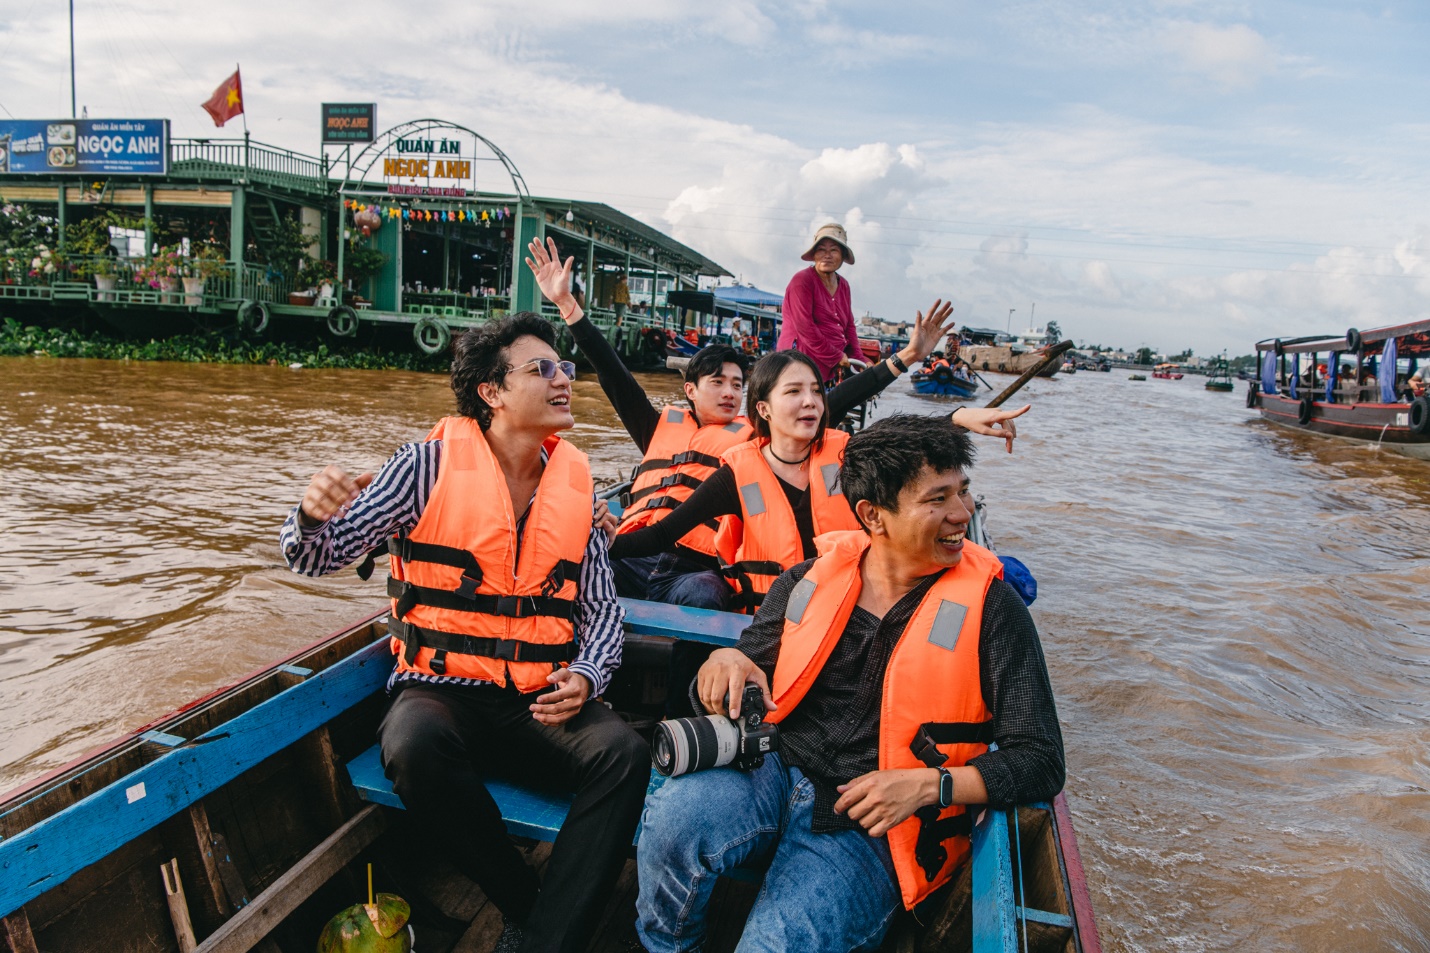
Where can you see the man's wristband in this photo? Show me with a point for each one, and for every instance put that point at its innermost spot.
(945, 788)
(898, 362)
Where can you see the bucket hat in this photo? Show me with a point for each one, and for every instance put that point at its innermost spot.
(835, 233)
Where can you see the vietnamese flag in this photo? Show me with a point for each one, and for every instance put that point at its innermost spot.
(227, 100)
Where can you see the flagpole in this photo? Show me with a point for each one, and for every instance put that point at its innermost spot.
(243, 101)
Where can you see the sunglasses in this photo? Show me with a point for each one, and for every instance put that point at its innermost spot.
(547, 368)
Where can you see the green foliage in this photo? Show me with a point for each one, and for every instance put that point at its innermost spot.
(362, 260)
(1053, 332)
(287, 247)
(1144, 355)
(212, 348)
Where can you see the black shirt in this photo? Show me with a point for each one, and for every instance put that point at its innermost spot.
(833, 735)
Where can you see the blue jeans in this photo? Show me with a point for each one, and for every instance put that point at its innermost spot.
(681, 582)
(831, 892)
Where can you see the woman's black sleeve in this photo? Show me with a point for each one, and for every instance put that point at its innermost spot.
(715, 497)
(857, 389)
(628, 397)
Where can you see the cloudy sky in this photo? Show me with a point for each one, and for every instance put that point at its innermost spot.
(1176, 173)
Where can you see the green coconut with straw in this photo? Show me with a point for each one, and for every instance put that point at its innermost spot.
(378, 926)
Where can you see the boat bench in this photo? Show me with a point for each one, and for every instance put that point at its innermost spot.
(540, 814)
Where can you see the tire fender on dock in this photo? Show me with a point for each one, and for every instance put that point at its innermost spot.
(1252, 390)
(431, 334)
(342, 322)
(1305, 409)
(253, 316)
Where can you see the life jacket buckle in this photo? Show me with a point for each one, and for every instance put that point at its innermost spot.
(668, 481)
(467, 587)
(509, 606)
(507, 650)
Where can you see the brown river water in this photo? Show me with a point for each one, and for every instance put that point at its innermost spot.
(1233, 614)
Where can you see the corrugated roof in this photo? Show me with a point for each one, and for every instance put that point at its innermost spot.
(639, 234)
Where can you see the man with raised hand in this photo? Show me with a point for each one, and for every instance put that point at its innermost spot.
(890, 662)
(505, 625)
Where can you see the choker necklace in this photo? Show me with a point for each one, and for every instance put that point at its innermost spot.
(789, 463)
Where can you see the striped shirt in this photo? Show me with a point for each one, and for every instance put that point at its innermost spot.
(395, 500)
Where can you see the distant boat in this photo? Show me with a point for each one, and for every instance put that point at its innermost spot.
(1220, 378)
(1137, 377)
(942, 382)
(1167, 372)
(1002, 359)
(1369, 399)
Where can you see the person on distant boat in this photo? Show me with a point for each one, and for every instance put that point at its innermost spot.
(784, 485)
(621, 298)
(505, 625)
(890, 662)
(818, 311)
(1419, 382)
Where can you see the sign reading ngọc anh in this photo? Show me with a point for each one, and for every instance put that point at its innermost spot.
(85, 146)
(349, 122)
(418, 157)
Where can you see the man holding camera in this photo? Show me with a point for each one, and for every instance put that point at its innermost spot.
(890, 663)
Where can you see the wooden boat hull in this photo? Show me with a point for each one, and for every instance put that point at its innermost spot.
(1374, 422)
(251, 793)
(928, 385)
(998, 359)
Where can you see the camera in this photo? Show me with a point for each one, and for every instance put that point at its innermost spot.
(683, 745)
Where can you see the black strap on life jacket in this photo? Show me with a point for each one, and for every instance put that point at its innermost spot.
(670, 503)
(415, 638)
(688, 456)
(929, 852)
(515, 607)
(628, 499)
(740, 574)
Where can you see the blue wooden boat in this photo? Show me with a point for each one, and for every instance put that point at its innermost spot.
(243, 820)
(942, 383)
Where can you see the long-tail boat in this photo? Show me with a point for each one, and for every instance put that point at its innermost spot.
(243, 821)
(1355, 385)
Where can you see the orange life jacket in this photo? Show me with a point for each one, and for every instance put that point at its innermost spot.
(456, 608)
(932, 712)
(681, 456)
(765, 541)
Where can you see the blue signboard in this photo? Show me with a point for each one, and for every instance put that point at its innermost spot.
(85, 146)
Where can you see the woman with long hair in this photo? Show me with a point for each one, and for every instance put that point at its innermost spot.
(784, 484)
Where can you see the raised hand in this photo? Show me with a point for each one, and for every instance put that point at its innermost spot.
(928, 331)
(329, 494)
(991, 422)
(552, 277)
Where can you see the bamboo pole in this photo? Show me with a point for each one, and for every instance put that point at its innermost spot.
(1055, 352)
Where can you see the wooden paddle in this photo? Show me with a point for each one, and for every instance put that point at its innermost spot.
(1055, 352)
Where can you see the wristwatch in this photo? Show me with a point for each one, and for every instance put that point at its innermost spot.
(898, 362)
(945, 788)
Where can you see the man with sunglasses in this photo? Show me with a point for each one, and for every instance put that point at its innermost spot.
(505, 624)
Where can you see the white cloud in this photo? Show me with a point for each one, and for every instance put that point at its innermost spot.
(1233, 57)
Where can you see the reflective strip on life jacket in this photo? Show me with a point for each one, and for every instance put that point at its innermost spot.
(765, 541)
(681, 456)
(931, 711)
(463, 586)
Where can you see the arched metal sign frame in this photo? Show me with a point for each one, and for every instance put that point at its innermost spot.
(376, 149)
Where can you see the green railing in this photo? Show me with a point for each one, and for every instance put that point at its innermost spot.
(225, 282)
(250, 160)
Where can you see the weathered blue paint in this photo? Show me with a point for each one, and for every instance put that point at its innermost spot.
(684, 622)
(46, 855)
(161, 738)
(994, 926)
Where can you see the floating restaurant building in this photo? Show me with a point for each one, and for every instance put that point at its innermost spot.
(419, 232)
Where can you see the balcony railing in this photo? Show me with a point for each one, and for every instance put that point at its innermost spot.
(246, 157)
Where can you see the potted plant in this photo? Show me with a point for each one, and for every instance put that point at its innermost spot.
(362, 262)
(206, 263)
(102, 268)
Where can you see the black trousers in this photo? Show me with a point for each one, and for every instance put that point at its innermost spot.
(439, 741)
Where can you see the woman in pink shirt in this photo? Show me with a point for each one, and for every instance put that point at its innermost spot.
(818, 313)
